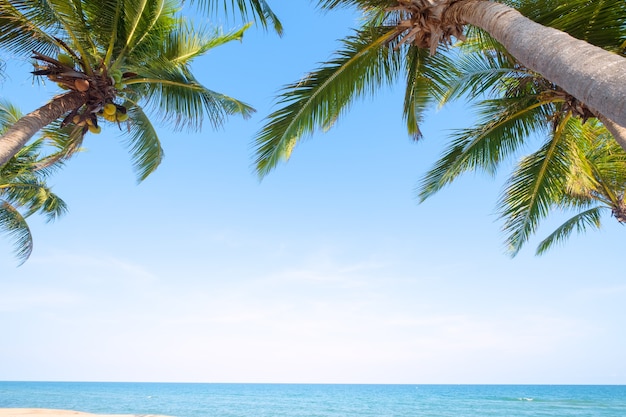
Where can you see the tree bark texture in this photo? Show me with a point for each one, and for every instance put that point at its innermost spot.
(24, 129)
(594, 76)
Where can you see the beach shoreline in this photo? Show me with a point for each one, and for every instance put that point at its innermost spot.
(48, 412)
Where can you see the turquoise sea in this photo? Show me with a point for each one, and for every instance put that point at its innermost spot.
(319, 400)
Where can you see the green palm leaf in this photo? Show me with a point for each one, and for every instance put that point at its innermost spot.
(425, 74)
(579, 223)
(23, 191)
(316, 101)
(536, 184)
(9, 114)
(24, 26)
(13, 224)
(481, 69)
(143, 144)
(181, 100)
(503, 127)
(258, 10)
(64, 142)
(599, 22)
(184, 42)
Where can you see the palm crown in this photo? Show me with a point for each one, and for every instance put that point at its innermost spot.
(116, 58)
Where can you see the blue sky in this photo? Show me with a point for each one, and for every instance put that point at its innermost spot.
(328, 270)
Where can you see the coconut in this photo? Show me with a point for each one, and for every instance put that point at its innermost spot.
(110, 108)
(81, 85)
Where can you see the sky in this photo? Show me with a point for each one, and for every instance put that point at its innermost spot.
(326, 271)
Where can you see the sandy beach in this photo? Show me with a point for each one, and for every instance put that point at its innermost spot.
(44, 412)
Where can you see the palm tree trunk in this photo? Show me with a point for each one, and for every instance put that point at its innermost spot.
(594, 76)
(618, 132)
(24, 129)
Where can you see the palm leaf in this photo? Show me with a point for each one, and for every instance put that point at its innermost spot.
(143, 144)
(536, 184)
(185, 42)
(318, 100)
(599, 22)
(579, 223)
(23, 192)
(361, 4)
(181, 100)
(72, 28)
(64, 143)
(32, 196)
(479, 73)
(145, 29)
(25, 25)
(9, 114)
(502, 129)
(425, 76)
(258, 10)
(106, 18)
(14, 225)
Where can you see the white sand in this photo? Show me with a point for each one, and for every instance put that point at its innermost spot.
(43, 412)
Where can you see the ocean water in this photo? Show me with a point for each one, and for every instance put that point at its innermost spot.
(319, 400)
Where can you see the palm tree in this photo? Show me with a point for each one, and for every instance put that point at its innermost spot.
(520, 103)
(395, 35)
(581, 169)
(23, 190)
(113, 58)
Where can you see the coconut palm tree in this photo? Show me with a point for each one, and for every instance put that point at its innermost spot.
(397, 30)
(23, 188)
(114, 59)
(520, 104)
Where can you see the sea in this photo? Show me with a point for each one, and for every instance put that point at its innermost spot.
(318, 400)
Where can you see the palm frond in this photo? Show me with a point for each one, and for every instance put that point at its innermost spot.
(502, 129)
(360, 4)
(106, 18)
(579, 223)
(9, 114)
(13, 224)
(426, 76)
(32, 196)
(479, 73)
(186, 43)
(23, 193)
(146, 28)
(74, 29)
(25, 25)
(599, 22)
(64, 141)
(319, 99)
(143, 143)
(257, 10)
(536, 184)
(181, 100)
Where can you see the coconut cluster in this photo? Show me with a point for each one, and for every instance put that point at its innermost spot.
(98, 89)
